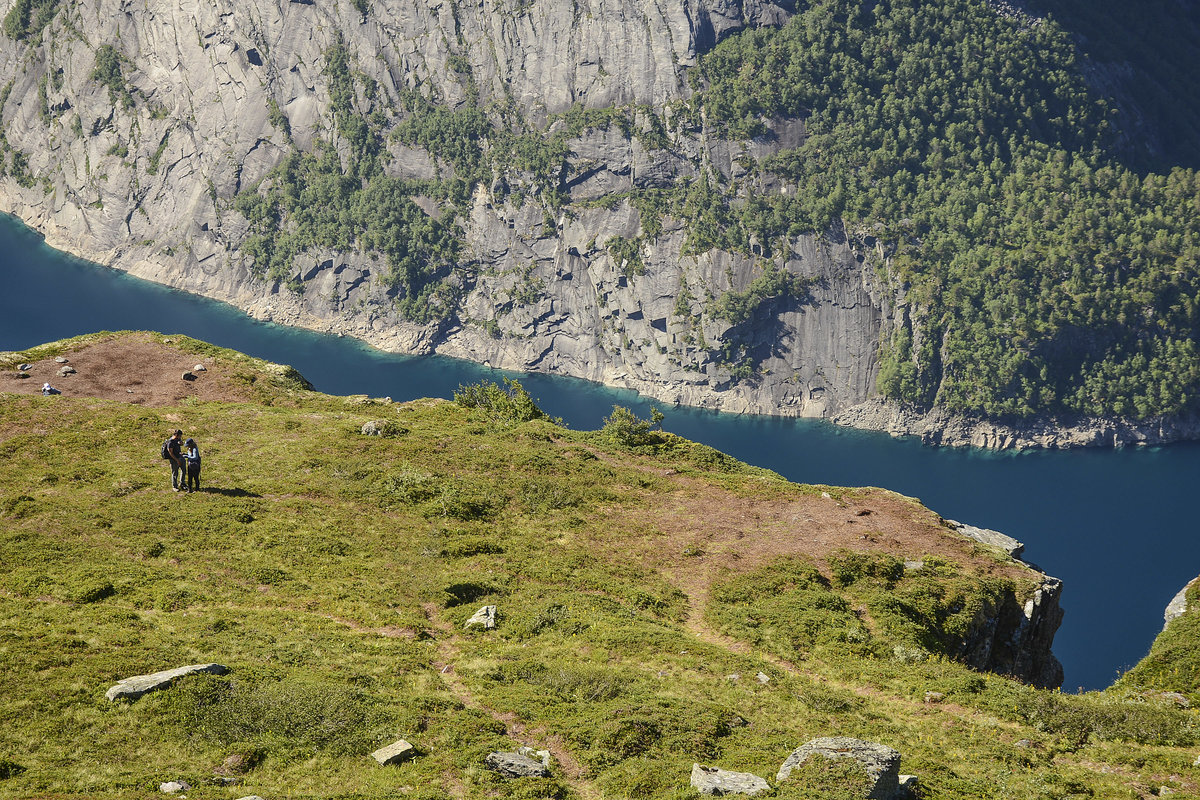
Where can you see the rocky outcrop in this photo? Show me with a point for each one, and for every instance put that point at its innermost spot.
(394, 753)
(1015, 636)
(1178, 605)
(483, 619)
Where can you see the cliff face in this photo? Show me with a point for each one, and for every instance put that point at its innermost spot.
(132, 132)
(140, 173)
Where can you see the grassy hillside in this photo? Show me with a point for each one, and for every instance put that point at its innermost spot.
(634, 573)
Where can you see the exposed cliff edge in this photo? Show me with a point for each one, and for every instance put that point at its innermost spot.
(131, 137)
(1016, 638)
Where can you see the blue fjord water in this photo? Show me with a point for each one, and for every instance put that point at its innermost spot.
(1119, 527)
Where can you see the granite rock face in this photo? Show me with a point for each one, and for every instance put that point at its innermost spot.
(145, 179)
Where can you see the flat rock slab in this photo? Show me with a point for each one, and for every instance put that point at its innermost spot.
(717, 782)
(881, 763)
(394, 753)
(515, 765)
(138, 685)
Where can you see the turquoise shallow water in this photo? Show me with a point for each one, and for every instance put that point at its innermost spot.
(1117, 526)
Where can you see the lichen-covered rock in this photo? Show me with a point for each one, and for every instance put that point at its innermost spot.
(716, 782)
(879, 762)
(515, 765)
(136, 686)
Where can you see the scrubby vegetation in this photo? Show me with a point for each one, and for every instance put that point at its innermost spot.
(332, 572)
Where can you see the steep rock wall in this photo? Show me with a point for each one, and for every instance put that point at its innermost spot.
(142, 177)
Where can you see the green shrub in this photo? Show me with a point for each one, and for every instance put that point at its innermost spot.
(276, 716)
(566, 682)
(628, 430)
(509, 405)
(640, 777)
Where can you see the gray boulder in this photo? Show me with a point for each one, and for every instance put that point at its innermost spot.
(484, 618)
(879, 762)
(24, 367)
(394, 753)
(717, 782)
(515, 765)
(136, 686)
(65, 371)
(174, 787)
(61, 359)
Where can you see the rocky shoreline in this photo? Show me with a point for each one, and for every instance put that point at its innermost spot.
(941, 428)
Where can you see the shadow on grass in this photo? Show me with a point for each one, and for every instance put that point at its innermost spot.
(230, 492)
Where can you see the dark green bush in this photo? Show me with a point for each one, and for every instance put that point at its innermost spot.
(846, 567)
(628, 430)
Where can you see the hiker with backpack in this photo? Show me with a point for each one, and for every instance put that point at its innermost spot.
(191, 454)
(171, 450)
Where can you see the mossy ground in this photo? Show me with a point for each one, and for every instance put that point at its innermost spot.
(332, 572)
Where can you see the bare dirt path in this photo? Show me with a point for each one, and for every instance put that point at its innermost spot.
(449, 654)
